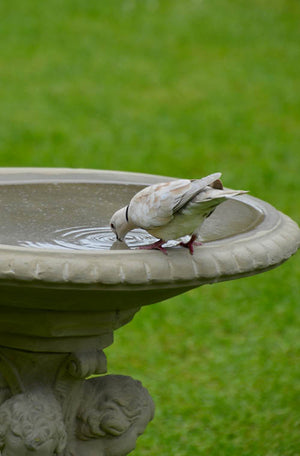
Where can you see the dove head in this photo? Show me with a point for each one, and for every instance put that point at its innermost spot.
(119, 223)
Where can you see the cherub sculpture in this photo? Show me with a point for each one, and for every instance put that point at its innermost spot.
(31, 424)
(114, 411)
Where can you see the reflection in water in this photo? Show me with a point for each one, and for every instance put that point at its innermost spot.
(83, 237)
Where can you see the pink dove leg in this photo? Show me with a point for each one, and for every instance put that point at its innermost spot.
(191, 243)
(156, 246)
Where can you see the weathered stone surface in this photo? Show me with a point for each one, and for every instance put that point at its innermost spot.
(47, 406)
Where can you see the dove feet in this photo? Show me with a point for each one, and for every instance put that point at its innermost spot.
(158, 245)
(191, 243)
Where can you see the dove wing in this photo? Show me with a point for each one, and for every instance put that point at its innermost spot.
(197, 185)
(156, 205)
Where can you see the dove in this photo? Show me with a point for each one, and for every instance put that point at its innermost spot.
(172, 210)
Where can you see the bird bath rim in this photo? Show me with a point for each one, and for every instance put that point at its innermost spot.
(271, 241)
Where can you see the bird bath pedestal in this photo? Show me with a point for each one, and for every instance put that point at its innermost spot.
(64, 289)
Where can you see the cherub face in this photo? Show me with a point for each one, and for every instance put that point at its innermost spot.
(14, 446)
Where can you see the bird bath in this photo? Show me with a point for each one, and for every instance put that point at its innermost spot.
(66, 285)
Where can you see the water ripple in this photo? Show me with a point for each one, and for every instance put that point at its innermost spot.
(87, 238)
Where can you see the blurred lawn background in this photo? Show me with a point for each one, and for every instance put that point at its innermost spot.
(181, 88)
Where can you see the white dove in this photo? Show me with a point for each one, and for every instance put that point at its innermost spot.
(172, 210)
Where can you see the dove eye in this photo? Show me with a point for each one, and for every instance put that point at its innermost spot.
(112, 226)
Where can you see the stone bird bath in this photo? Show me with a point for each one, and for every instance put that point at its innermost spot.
(65, 286)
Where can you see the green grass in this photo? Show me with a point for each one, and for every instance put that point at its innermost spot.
(180, 88)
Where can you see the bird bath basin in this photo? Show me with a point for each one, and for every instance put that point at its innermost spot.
(66, 285)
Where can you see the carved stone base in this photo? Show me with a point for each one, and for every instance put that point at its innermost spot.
(48, 407)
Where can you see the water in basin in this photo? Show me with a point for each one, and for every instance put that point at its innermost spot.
(76, 216)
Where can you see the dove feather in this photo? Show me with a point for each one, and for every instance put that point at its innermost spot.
(196, 186)
(153, 206)
(156, 205)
